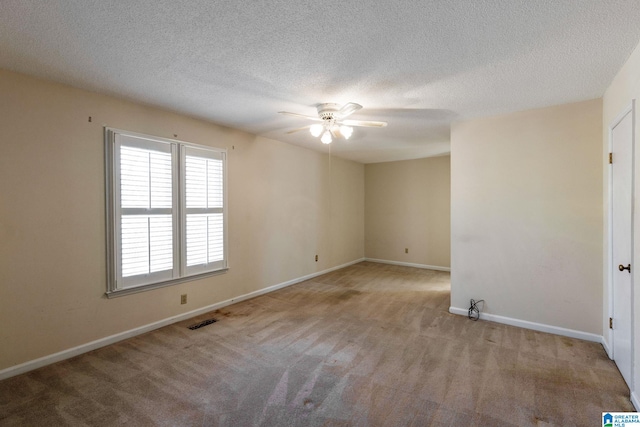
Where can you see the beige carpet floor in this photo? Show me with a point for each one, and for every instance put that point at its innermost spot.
(368, 345)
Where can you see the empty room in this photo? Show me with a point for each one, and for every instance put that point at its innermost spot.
(319, 213)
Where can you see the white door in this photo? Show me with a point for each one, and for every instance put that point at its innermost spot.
(621, 241)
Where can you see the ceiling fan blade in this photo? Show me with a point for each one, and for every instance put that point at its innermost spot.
(298, 129)
(317, 119)
(349, 108)
(364, 123)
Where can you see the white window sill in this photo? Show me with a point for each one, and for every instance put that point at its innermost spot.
(143, 288)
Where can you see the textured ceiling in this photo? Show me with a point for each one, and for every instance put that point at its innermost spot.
(418, 65)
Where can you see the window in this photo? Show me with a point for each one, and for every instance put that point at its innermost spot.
(166, 211)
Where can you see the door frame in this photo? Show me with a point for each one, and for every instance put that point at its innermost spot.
(630, 109)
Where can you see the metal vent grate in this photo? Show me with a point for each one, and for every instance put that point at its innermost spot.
(201, 324)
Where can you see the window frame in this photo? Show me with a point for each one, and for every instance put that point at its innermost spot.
(202, 153)
(118, 285)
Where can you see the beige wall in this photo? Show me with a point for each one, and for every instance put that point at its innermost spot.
(286, 204)
(407, 205)
(624, 88)
(526, 225)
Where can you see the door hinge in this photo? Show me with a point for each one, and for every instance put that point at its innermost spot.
(610, 322)
(610, 158)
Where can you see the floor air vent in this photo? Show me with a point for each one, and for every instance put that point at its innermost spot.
(201, 324)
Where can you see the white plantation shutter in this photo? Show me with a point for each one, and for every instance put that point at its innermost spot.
(144, 185)
(147, 244)
(145, 176)
(164, 224)
(146, 182)
(203, 208)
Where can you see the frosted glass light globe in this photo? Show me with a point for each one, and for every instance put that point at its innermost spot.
(316, 130)
(326, 138)
(346, 131)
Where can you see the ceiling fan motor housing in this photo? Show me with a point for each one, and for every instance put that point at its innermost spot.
(328, 111)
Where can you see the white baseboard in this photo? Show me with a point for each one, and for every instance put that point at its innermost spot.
(532, 325)
(409, 264)
(634, 400)
(607, 349)
(102, 342)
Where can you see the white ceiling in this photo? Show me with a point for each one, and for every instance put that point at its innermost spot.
(417, 64)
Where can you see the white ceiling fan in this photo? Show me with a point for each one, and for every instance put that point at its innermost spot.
(333, 121)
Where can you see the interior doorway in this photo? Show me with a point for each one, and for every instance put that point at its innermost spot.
(621, 140)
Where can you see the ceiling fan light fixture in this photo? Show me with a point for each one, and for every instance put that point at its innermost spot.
(326, 138)
(346, 131)
(316, 130)
(333, 123)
